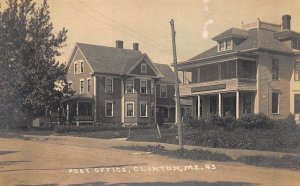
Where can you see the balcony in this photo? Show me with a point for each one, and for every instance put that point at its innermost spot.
(211, 87)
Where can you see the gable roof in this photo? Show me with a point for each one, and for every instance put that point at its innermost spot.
(110, 60)
(167, 72)
(257, 39)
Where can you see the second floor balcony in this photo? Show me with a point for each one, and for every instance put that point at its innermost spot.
(238, 74)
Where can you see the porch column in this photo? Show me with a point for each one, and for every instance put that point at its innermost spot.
(199, 105)
(220, 104)
(237, 104)
(68, 112)
(77, 108)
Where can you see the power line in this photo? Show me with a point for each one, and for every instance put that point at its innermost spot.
(144, 39)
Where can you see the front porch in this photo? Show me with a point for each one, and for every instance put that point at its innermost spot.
(80, 110)
(236, 103)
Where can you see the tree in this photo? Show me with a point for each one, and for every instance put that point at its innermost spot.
(31, 76)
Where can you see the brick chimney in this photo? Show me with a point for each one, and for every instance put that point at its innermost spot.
(135, 46)
(119, 44)
(286, 22)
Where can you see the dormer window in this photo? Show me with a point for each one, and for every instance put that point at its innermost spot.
(225, 45)
(143, 69)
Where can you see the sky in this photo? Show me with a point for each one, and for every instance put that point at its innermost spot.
(146, 22)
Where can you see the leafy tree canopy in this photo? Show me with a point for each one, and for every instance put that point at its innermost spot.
(30, 75)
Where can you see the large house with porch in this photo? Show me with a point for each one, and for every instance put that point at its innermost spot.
(117, 85)
(253, 69)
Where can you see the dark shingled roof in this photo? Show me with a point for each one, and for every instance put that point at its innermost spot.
(232, 32)
(167, 72)
(257, 38)
(110, 60)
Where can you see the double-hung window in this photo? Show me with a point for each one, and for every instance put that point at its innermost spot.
(129, 109)
(109, 85)
(109, 109)
(275, 69)
(143, 88)
(143, 68)
(297, 103)
(297, 72)
(143, 109)
(81, 86)
(163, 91)
(129, 86)
(89, 85)
(275, 103)
(78, 67)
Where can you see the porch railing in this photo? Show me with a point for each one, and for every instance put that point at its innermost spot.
(84, 118)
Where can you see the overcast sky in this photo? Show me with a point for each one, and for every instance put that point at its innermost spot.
(102, 22)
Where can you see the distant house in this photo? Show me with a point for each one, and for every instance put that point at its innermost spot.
(255, 69)
(116, 85)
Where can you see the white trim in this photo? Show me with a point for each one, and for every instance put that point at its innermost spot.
(112, 84)
(144, 65)
(143, 102)
(87, 85)
(95, 98)
(112, 108)
(132, 109)
(166, 90)
(122, 100)
(141, 86)
(81, 80)
(133, 91)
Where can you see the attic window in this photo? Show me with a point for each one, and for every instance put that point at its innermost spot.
(225, 45)
(78, 67)
(143, 69)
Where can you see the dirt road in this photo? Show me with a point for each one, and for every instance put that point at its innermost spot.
(60, 160)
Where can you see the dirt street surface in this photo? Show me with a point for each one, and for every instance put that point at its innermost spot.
(61, 160)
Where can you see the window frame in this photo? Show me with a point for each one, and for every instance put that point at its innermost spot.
(145, 68)
(162, 91)
(141, 86)
(126, 90)
(275, 68)
(81, 86)
(297, 71)
(126, 109)
(278, 102)
(112, 84)
(143, 102)
(88, 85)
(295, 110)
(112, 108)
(80, 66)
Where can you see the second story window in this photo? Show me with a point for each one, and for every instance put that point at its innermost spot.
(143, 68)
(143, 88)
(78, 67)
(108, 85)
(129, 86)
(163, 91)
(297, 72)
(275, 69)
(81, 86)
(89, 85)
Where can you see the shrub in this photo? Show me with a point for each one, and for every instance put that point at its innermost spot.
(259, 121)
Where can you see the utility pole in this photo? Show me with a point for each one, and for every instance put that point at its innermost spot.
(177, 94)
